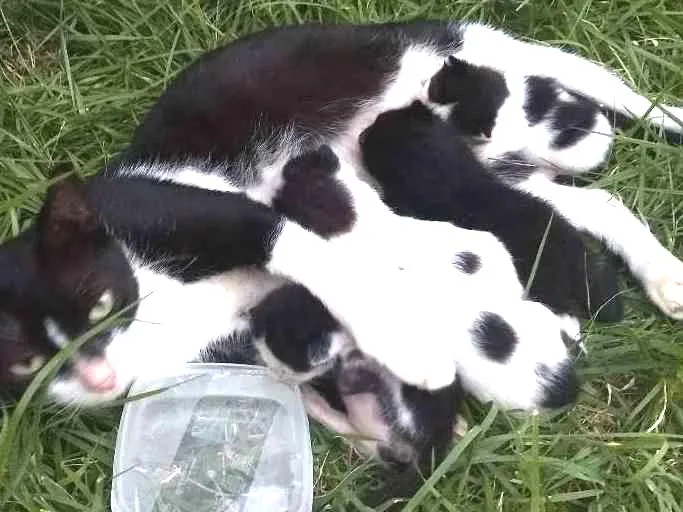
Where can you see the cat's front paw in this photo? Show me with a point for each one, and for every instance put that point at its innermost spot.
(664, 286)
(517, 357)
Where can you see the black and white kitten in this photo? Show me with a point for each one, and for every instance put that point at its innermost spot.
(188, 228)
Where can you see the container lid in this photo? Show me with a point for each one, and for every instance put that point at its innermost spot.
(213, 438)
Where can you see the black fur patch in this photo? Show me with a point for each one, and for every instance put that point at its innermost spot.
(512, 167)
(296, 327)
(541, 97)
(606, 303)
(467, 262)
(562, 387)
(256, 86)
(205, 231)
(360, 378)
(236, 348)
(495, 337)
(573, 121)
(313, 197)
(476, 93)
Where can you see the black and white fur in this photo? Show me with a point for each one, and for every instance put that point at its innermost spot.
(427, 170)
(196, 209)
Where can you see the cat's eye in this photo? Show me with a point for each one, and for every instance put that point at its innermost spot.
(28, 367)
(102, 307)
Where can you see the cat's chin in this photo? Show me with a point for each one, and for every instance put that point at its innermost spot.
(71, 391)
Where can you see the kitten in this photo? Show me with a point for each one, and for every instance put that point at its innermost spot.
(426, 169)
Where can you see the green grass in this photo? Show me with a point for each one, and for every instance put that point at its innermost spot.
(75, 77)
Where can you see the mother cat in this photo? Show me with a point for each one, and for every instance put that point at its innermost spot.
(179, 229)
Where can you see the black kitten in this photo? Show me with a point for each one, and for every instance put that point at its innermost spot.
(426, 170)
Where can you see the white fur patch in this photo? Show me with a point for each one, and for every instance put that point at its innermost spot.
(173, 323)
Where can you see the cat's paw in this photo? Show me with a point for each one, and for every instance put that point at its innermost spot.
(359, 374)
(664, 286)
(517, 357)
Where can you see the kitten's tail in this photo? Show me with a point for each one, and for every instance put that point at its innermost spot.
(483, 45)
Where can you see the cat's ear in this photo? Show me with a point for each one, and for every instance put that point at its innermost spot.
(67, 222)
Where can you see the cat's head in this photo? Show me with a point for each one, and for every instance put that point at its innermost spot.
(58, 281)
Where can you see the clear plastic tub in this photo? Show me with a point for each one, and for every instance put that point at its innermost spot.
(216, 438)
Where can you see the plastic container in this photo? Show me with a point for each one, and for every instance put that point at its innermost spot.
(216, 438)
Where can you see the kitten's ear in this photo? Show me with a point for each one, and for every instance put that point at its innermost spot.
(67, 221)
(455, 64)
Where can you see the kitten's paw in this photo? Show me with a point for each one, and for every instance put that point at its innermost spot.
(665, 289)
(359, 374)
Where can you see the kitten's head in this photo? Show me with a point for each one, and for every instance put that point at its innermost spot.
(58, 281)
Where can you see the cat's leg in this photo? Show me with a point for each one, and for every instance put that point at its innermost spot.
(519, 357)
(605, 217)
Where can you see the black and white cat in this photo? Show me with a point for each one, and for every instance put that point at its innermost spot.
(206, 231)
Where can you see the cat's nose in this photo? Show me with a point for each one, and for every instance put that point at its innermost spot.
(96, 374)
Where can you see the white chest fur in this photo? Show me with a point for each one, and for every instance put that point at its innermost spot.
(175, 320)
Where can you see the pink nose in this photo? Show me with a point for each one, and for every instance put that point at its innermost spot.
(96, 374)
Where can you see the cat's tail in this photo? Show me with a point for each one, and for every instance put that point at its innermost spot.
(484, 45)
